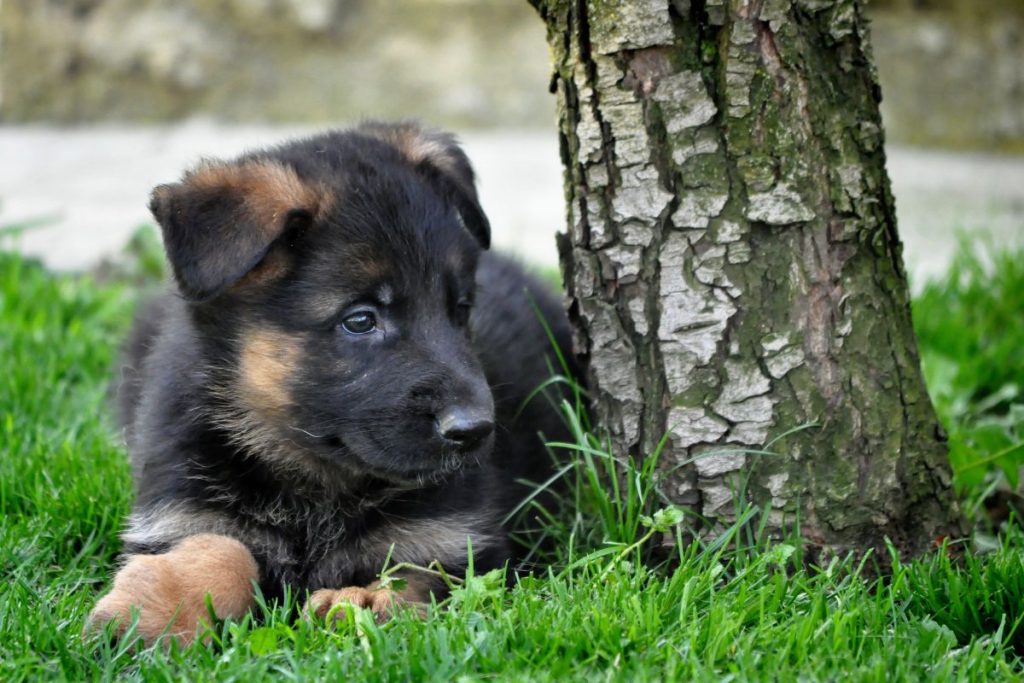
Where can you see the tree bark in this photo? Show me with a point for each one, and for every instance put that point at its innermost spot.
(733, 267)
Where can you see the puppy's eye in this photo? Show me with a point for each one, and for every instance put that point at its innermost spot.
(362, 322)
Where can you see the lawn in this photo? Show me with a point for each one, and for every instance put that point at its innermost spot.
(739, 608)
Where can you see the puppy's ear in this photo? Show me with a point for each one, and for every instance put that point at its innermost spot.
(437, 155)
(222, 219)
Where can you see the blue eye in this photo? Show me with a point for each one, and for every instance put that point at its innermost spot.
(362, 322)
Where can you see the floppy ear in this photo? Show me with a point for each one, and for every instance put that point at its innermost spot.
(221, 220)
(437, 155)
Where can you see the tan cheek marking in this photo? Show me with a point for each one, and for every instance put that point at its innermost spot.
(170, 589)
(267, 362)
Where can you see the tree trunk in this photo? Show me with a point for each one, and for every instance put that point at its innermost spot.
(733, 268)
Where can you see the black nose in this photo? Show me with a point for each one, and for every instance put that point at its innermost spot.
(464, 427)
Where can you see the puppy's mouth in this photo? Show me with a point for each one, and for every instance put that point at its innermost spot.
(429, 469)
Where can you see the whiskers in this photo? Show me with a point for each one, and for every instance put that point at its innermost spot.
(308, 433)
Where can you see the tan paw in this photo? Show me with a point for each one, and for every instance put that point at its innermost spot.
(382, 602)
(169, 590)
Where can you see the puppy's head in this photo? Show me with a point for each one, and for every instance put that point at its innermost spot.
(331, 281)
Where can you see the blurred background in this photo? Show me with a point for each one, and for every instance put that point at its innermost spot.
(102, 99)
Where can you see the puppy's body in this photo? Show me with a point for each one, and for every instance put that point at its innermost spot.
(311, 528)
(322, 382)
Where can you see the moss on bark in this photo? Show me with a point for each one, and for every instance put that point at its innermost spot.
(733, 266)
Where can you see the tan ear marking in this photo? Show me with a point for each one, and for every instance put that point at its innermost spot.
(425, 148)
(222, 220)
(270, 189)
(418, 145)
(273, 266)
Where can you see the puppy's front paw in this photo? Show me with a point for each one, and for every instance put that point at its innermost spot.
(382, 602)
(169, 590)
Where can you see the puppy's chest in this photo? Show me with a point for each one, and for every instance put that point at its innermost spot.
(361, 554)
(330, 547)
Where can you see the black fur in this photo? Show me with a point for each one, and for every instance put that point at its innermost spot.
(327, 453)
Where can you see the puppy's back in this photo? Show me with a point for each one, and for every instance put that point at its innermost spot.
(130, 381)
(518, 357)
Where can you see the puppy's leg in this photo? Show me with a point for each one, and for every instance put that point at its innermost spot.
(169, 589)
(383, 601)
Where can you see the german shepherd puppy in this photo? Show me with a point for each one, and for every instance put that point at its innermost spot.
(334, 380)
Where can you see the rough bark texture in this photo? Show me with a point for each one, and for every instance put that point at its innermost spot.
(733, 266)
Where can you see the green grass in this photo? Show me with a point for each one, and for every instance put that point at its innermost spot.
(970, 327)
(737, 608)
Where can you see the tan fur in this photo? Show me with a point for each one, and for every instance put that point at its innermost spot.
(416, 590)
(274, 266)
(267, 360)
(369, 263)
(270, 188)
(416, 145)
(254, 410)
(374, 268)
(383, 602)
(169, 590)
(260, 196)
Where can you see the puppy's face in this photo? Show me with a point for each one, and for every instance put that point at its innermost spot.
(336, 277)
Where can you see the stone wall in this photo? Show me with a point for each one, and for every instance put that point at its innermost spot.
(462, 62)
(952, 72)
(950, 69)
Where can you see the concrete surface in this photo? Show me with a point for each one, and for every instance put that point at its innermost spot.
(88, 188)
